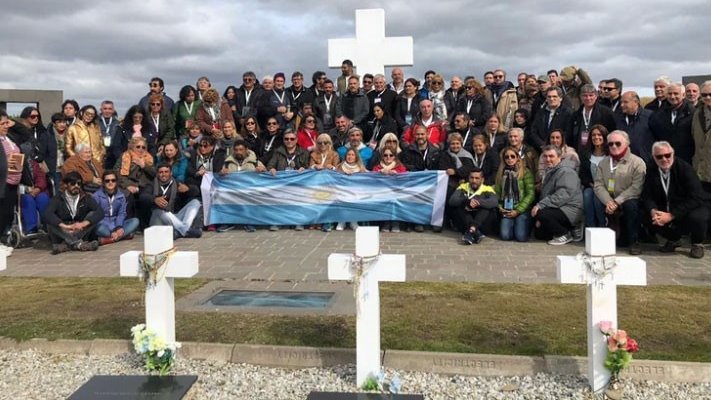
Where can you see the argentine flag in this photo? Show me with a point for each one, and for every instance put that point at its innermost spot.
(315, 197)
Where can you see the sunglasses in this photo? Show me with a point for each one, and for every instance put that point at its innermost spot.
(367, 81)
(310, 120)
(324, 143)
(272, 123)
(705, 94)
(155, 104)
(471, 87)
(388, 155)
(251, 123)
(498, 76)
(663, 156)
(73, 183)
(437, 83)
(510, 156)
(614, 144)
(204, 145)
(608, 89)
(109, 180)
(89, 114)
(34, 116)
(289, 139)
(391, 141)
(139, 147)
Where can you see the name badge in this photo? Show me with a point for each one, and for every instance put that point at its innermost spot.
(377, 100)
(508, 204)
(107, 141)
(188, 124)
(611, 185)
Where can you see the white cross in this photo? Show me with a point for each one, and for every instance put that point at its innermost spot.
(371, 51)
(383, 267)
(160, 299)
(3, 256)
(601, 293)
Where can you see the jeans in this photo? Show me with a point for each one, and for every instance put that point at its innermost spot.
(182, 221)
(129, 226)
(518, 228)
(31, 206)
(594, 209)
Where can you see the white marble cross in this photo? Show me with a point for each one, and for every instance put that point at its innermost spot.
(371, 51)
(601, 293)
(160, 299)
(382, 267)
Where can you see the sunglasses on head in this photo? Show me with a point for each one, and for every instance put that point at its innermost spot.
(663, 156)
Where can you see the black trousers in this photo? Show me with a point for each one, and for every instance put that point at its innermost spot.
(7, 208)
(695, 223)
(58, 235)
(465, 219)
(551, 223)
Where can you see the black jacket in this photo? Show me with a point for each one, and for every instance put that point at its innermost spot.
(327, 114)
(386, 98)
(685, 191)
(599, 115)
(58, 211)
(540, 127)
(637, 127)
(378, 128)
(402, 111)
(415, 160)
(489, 165)
(193, 179)
(479, 111)
(677, 134)
(247, 108)
(299, 97)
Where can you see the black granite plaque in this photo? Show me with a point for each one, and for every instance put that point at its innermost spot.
(129, 387)
(362, 396)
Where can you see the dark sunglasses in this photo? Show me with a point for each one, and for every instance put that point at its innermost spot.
(73, 183)
(323, 142)
(608, 89)
(155, 104)
(615, 144)
(510, 156)
(471, 87)
(34, 115)
(498, 76)
(391, 141)
(289, 139)
(272, 123)
(663, 156)
(705, 94)
(139, 147)
(310, 120)
(437, 83)
(109, 180)
(204, 145)
(388, 155)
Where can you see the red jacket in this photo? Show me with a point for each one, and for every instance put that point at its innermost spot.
(306, 139)
(437, 133)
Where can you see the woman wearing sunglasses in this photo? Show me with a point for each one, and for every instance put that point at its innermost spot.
(389, 165)
(516, 192)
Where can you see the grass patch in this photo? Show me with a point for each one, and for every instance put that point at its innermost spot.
(670, 322)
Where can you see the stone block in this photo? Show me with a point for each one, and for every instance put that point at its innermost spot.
(599, 242)
(110, 347)
(292, 357)
(463, 364)
(206, 351)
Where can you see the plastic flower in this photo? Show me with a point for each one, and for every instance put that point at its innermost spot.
(632, 346)
(395, 385)
(606, 327)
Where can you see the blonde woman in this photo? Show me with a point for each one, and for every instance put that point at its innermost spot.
(352, 164)
(323, 156)
(389, 141)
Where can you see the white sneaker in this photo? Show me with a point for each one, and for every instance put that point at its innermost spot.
(354, 225)
(560, 240)
(340, 226)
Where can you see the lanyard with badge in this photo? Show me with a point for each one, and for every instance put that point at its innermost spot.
(611, 179)
(107, 132)
(665, 178)
(586, 132)
(290, 166)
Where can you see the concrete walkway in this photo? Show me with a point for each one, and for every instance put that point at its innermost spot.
(288, 255)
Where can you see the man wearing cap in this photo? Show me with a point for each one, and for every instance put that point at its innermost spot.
(540, 100)
(572, 79)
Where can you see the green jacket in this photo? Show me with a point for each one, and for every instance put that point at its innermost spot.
(527, 189)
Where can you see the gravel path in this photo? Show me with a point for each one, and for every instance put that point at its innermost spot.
(30, 375)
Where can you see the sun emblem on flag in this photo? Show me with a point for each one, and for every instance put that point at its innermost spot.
(322, 195)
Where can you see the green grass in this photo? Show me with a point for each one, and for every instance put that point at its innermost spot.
(669, 322)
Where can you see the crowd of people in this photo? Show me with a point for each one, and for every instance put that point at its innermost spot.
(550, 154)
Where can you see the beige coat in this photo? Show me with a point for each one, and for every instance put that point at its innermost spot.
(629, 179)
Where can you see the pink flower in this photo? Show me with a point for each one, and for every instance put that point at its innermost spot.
(611, 344)
(621, 337)
(632, 346)
(605, 327)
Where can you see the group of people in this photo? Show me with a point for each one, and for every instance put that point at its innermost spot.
(552, 154)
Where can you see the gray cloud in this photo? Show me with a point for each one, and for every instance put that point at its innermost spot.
(101, 49)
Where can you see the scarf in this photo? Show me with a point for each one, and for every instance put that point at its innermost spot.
(620, 156)
(215, 107)
(347, 167)
(458, 156)
(388, 167)
(129, 156)
(509, 185)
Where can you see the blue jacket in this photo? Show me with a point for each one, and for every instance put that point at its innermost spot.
(180, 169)
(114, 213)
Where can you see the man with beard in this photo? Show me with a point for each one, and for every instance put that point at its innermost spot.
(165, 206)
(354, 104)
(156, 86)
(327, 106)
(346, 73)
(72, 217)
(572, 79)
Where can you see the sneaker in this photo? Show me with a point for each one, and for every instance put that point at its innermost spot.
(635, 249)
(225, 228)
(437, 229)
(340, 226)
(395, 227)
(670, 246)
(468, 238)
(273, 228)
(193, 233)
(478, 236)
(385, 227)
(250, 228)
(419, 228)
(326, 228)
(560, 240)
(354, 225)
(87, 246)
(577, 232)
(697, 251)
(59, 248)
(299, 228)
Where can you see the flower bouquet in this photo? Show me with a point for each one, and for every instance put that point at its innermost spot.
(159, 355)
(619, 349)
(383, 384)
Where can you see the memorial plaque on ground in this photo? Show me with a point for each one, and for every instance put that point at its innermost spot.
(362, 396)
(129, 387)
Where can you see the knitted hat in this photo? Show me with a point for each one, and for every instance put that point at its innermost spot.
(568, 73)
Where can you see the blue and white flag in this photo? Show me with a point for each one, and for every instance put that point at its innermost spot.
(315, 197)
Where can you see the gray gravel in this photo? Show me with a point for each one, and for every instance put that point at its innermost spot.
(34, 375)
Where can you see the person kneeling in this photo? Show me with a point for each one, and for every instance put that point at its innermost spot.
(473, 204)
(165, 198)
(112, 200)
(72, 217)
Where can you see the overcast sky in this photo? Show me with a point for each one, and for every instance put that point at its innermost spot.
(97, 49)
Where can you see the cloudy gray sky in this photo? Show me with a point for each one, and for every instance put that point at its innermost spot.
(97, 49)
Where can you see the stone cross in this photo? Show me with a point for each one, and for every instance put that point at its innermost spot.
(371, 51)
(376, 268)
(601, 292)
(160, 299)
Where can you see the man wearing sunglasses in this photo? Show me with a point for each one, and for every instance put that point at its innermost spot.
(72, 217)
(618, 185)
(674, 202)
(115, 226)
(156, 86)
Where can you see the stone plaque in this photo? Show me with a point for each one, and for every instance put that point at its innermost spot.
(362, 396)
(129, 387)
